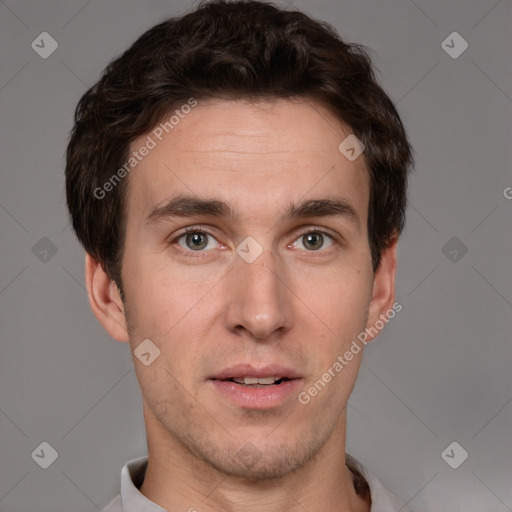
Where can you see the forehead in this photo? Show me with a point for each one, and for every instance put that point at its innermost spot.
(253, 155)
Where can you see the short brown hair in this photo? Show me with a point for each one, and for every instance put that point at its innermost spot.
(229, 50)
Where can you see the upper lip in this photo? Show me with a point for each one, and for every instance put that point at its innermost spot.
(247, 370)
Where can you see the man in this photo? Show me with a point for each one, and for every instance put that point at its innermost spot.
(237, 178)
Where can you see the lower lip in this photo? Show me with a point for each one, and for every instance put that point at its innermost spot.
(258, 398)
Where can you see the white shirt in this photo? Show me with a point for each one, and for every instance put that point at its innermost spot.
(132, 500)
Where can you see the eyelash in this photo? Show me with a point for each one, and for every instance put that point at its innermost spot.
(201, 229)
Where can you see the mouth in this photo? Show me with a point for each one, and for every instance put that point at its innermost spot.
(256, 382)
(248, 375)
(257, 388)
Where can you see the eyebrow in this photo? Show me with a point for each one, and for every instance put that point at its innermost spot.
(188, 206)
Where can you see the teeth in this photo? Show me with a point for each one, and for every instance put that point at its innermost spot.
(256, 380)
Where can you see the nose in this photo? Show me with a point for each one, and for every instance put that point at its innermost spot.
(260, 299)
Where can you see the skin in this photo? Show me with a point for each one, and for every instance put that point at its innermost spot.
(294, 305)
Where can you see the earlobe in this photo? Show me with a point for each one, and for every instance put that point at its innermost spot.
(105, 300)
(383, 293)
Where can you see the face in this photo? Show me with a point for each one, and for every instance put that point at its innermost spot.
(272, 279)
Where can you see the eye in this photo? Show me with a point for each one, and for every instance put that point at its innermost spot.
(196, 240)
(313, 240)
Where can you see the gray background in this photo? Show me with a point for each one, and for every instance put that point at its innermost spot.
(440, 372)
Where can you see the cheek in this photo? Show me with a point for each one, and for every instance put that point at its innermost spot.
(172, 309)
(335, 314)
(339, 293)
(162, 387)
(159, 291)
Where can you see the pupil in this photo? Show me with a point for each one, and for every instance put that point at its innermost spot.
(314, 238)
(198, 241)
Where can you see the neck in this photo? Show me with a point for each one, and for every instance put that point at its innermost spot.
(176, 479)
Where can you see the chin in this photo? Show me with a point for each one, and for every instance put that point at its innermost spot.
(268, 467)
(273, 461)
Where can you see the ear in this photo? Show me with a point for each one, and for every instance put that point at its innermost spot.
(383, 293)
(105, 300)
